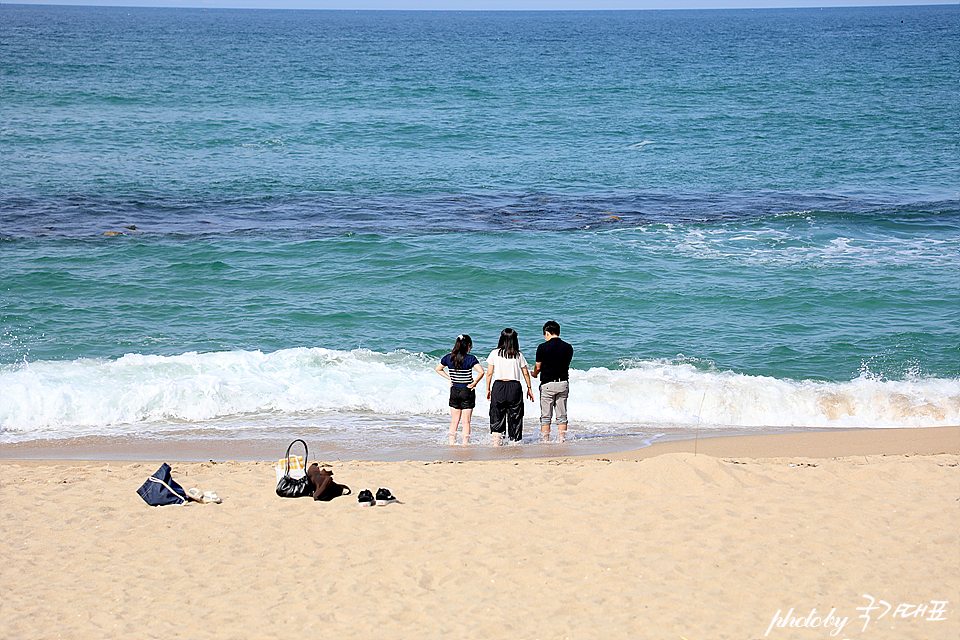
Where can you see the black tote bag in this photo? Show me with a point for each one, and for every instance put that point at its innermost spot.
(288, 487)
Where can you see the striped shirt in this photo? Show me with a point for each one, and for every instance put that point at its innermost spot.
(460, 377)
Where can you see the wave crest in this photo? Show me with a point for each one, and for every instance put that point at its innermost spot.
(88, 397)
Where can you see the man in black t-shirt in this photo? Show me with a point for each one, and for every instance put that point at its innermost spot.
(553, 368)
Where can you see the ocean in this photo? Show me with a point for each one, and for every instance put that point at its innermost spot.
(224, 229)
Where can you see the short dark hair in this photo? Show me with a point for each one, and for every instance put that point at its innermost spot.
(551, 327)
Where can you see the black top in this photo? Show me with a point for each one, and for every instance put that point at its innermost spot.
(554, 357)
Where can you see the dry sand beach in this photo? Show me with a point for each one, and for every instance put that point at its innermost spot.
(746, 538)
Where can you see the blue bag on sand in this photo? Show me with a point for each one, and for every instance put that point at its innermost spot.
(161, 489)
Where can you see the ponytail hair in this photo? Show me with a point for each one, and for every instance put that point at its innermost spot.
(460, 349)
(509, 345)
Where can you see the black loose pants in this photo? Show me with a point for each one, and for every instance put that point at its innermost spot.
(506, 408)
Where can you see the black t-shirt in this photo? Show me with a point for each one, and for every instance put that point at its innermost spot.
(554, 357)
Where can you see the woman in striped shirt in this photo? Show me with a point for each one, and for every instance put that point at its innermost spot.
(463, 394)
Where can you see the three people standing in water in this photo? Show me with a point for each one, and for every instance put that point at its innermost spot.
(506, 370)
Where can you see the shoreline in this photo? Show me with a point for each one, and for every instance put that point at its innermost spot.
(805, 444)
(811, 444)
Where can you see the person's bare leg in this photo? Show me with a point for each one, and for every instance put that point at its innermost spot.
(454, 421)
(465, 418)
(561, 432)
(544, 433)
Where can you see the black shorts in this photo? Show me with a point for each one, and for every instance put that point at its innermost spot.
(463, 398)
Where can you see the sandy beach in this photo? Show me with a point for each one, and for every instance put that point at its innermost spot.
(783, 536)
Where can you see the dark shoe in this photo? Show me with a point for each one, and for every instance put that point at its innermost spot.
(384, 497)
(365, 498)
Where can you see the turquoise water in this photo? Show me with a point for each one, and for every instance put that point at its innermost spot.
(743, 220)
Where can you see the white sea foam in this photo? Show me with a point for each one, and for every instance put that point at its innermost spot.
(679, 394)
(780, 245)
(139, 392)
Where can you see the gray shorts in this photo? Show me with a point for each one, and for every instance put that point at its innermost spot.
(553, 398)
